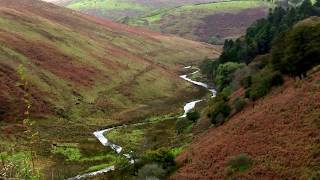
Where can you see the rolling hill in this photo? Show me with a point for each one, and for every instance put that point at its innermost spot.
(116, 9)
(80, 73)
(196, 19)
(219, 20)
(73, 60)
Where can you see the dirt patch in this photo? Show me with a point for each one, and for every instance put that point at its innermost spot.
(280, 132)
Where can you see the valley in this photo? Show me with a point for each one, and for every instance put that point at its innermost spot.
(202, 20)
(187, 89)
(82, 73)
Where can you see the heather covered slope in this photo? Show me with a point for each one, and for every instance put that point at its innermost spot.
(115, 9)
(79, 66)
(271, 130)
(215, 20)
(279, 132)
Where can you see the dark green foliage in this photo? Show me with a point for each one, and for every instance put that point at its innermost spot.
(262, 82)
(160, 156)
(297, 51)
(239, 104)
(240, 163)
(193, 116)
(151, 171)
(182, 124)
(208, 67)
(246, 82)
(277, 79)
(224, 74)
(260, 35)
(220, 110)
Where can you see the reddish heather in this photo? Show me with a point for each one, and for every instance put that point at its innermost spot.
(280, 132)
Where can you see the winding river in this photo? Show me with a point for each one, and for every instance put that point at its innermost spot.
(100, 135)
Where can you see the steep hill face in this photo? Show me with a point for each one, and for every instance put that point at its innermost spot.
(80, 66)
(275, 136)
(279, 132)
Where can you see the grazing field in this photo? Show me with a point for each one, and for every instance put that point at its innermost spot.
(221, 20)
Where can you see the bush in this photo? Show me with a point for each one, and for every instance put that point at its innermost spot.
(160, 156)
(193, 116)
(240, 163)
(151, 171)
(224, 74)
(220, 110)
(182, 124)
(246, 82)
(277, 79)
(262, 83)
(239, 104)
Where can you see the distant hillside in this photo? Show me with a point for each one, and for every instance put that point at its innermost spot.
(213, 21)
(204, 20)
(116, 9)
(79, 66)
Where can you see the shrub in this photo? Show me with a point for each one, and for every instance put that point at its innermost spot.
(239, 104)
(277, 79)
(193, 116)
(247, 93)
(224, 74)
(220, 110)
(240, 163)
(246, 82)
(160, 156)
(151, 171)
(182, 124)
(262, 83)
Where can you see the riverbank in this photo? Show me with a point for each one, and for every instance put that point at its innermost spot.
(102, 134)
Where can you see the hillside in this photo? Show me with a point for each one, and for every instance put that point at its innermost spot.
(73, 60)
(196, 19)
(279, 132)
(265, 120)
(116, 9)
(215, 20)
(77, 74)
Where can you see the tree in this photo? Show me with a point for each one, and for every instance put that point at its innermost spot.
(193, 116)
(151, 171)
(317, 3)
(297, 51)
(306, 9)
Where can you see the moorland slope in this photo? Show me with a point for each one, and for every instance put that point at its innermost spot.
(77, 65)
